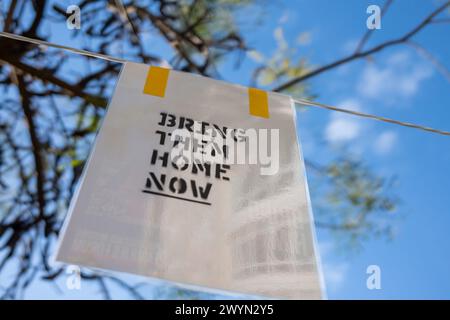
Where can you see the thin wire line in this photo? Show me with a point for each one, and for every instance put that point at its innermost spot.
(371, 116)
(296, 100)
(58, 46)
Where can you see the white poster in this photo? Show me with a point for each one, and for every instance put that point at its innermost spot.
(196, 181)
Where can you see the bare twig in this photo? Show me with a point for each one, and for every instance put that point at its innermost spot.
(428, 55)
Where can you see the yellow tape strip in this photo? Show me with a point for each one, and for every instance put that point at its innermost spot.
(156, 82)
(259, 102)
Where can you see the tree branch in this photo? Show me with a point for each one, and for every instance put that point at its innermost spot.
(73, 90)
(35, 142)
(362, 54)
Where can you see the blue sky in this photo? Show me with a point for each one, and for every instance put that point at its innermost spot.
(397, 83)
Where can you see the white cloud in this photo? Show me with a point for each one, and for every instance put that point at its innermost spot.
(401, 76)
(284, 17)
(385, 142)
(349, 46)
(335, 275)
(340, 130)
(304, 38)
(342, 127)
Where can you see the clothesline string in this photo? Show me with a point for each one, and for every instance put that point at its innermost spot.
(296, 100)
(371, 116)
